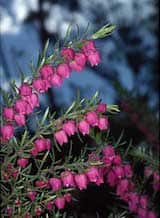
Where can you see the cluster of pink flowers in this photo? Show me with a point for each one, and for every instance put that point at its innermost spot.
(156, 177)
(49, 76)
(91, 119)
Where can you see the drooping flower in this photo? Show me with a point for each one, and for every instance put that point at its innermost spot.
(25, 89)
(22, 107)
(92, 174)
(63, 70)
(31, 195)
(101, 108)
(69, 127)
(81, 181)
(56, 80)
(111, 178)
(55, 183)
(103, 123)
(7, 132)
(40, 85)
(67, 54)
(60, 202)
(83, 127)
(92, 118)
(46, 72)
(8, 113)
(61, 137)
(20, 119)
(67, 178)
(22, 162)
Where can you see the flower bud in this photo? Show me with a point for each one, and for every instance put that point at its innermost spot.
(60, 202)
(22, 162)
(31, 195)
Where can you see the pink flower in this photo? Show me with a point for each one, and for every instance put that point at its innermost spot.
(67, 178)
(151, 214)
(63, 70)
(7, 132)
(8, 113)
(61, 137)
(111, 178)
(25, 89)
(67, 54)
(31, 195)
(34, 151)
(94, 58)
(32, 100)
(38, 211)
(60, 202)
(68, 197)
(142, 213)
(40, 85)
(81, 181)
(49, 205)
(22, 162)
(92, 118)
(79, 62)
(92, 174)
(119, 171)
(122, 187)
(101, 108)
(42, 144)
(69, 127)
(83, 127)
(128, 171)
(41, 184)
(108, 151)
(20, 119)
(88, 46)
(133, 201)
(56, 80)
(22, 107)
(103, 123)
(117, 160)
(148, 172)
(156, 181)
(46, 72)
(143, 201)
(55, 183)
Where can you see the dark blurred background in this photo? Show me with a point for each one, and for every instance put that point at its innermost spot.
(128, 74)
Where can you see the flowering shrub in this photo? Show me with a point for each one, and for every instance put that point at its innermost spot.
(40, 171)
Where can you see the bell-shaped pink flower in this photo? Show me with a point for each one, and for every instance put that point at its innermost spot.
(103, 123)
(60, 202)
(69, 127)
(92, 118)
(32, 100)
(20, 119)
(75, 66)
(31, 195)
(81, 181)
(67, 178)
(25, 89)
(117, 160)
(88, 46)
(122, 187)
(111, 178)
(7, 132)
(40, 85)
(22, 162)
(55, 183)
(56, 80)
(94, 58)
(101, 108)
(61, 137)
(92, 174)
(133, 201)
(38, 211)
(63, 70)
(143, 201)
(42, 144)
(108, 151)
(128, 171)
(83, 127)
(80, 59)
(8, 113)
(41, 184)
(68, 197)
(67, 54)
(119, 171)
(22, 107)
(46, 72)
(49, 205)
